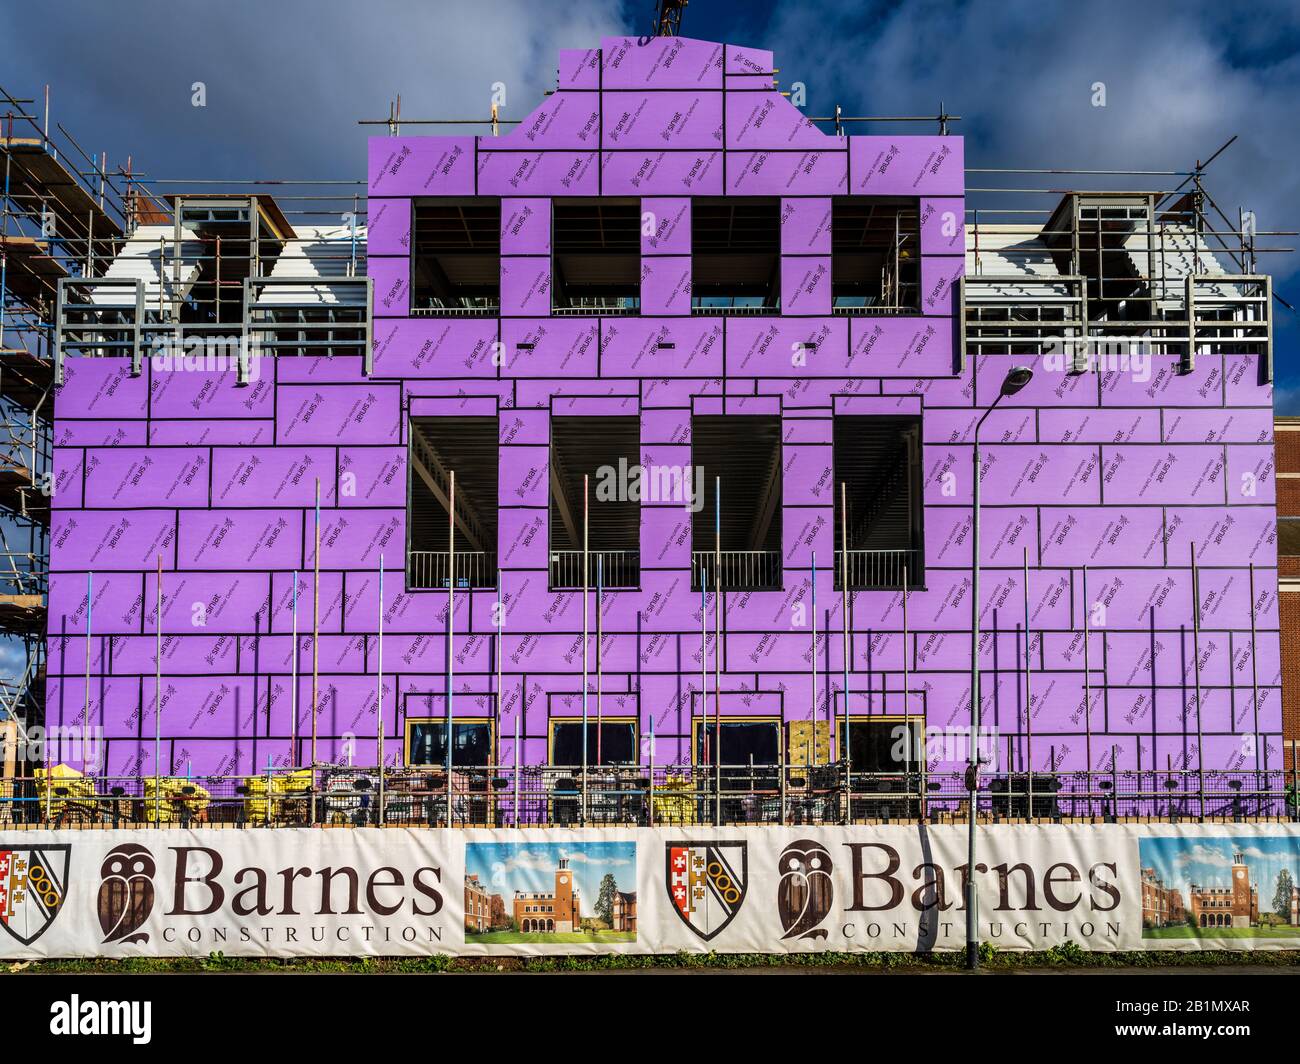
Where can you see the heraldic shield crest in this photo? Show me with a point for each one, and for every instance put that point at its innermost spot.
(706, 883)
(33, 884)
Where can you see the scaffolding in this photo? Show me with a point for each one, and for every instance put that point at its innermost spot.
(100, 261)
(1147, 257)
(232, 275)
(1144, 261)
(62, 215)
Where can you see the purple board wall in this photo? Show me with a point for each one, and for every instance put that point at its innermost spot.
(1094, 469)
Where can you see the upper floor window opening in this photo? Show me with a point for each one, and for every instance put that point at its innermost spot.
(736, 255)
(439, 447)
(875, 255)
(456, 257)
(596, 256)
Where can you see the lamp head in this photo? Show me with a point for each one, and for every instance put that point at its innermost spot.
(1017, 377)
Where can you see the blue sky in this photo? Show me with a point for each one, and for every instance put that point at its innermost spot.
(286, 82)
(1208, 862)
(505, 867)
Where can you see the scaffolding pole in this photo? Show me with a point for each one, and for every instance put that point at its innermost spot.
(844, 609)
(907, 712)
(704, 664)
(293, 680)
(1260, 741)
(451, 641)
(379, 692)
(90, 607)
(1029, 700)
(1196, 672)
(717, 648)
(500, 646)
(517, 760)
(315, 647)
(586, 628)
(600, 610)
(157, 696)
(1087, 693)
(812, 591)
(650, 810)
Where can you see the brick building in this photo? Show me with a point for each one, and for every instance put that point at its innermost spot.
(623, 911)
(558, 911)
(1161, 906)
(1233, 906)
(478, 905)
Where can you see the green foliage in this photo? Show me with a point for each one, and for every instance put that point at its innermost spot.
(1066, 955)
(219, 962)
(1282, 896)
(605, 899)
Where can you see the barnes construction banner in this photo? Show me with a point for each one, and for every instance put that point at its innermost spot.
(303, 892)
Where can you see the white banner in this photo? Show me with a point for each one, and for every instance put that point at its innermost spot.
(356, 892)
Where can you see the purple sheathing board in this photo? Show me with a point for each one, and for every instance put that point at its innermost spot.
(1106, 470)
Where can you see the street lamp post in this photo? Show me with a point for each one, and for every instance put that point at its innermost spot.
(1017, 377)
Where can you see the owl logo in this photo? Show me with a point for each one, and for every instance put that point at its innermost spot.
(126, 892)
(806, 891)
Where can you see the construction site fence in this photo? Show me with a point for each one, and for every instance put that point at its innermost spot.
(631, 795)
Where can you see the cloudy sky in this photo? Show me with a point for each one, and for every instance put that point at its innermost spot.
(286, 82)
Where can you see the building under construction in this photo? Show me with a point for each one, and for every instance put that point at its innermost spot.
(60, 214)
(632, 453)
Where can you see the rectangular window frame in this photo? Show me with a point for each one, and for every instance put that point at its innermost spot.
(736, 779)
(621, 720)
(772, 300)
(457, 721)
(489, 308)
(622, 565)
(599, 306)
(888, 572)
(916, 722)
(1288, 536)
(475, 570)
(904, 264)
(765, 571)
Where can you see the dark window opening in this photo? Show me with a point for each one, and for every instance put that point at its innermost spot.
(596, 256)
(736, 255)
(456, 257)
(750, 752)
(875, 255)
(607, 451)
(883, 746)
(739, 458)
(471, 743)
(439, 447)
(886, 759)
(609, 743)
(878, 476)
(1288, 536)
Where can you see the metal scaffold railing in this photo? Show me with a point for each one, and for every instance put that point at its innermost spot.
(1143, 262)
(648, 795)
